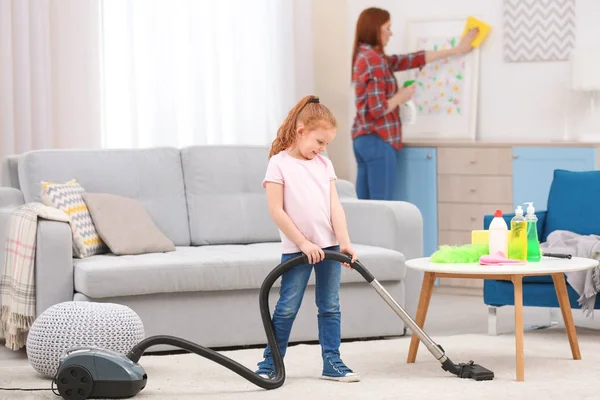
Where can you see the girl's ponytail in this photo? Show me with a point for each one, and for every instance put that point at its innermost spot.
(286, 134)
(303, 111)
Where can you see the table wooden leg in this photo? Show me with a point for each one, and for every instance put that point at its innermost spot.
(517, 281)
(425, 296)
(565, 308)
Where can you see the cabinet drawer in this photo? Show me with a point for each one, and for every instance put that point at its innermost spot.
(475, 189)
(467, 217)
(475, 161)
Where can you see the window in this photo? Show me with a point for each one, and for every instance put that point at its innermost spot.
(185, 72)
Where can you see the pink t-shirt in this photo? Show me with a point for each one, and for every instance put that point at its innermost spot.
(306, 197)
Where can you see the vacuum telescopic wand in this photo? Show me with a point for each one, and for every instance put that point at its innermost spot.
(468, 370)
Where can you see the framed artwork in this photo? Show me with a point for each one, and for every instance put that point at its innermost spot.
(446, 92)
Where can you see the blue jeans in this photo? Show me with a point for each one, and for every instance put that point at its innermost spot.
(376, 162)
(291, 293)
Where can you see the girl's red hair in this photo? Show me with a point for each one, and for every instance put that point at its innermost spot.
(311, 113)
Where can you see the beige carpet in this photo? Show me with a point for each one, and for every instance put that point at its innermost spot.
(550, 372)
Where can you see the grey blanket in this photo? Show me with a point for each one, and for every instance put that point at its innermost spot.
(586, 283)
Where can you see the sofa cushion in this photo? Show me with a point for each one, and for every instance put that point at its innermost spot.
(208, 268)
(68, 197)
(152, 176)
(226, 202)
(572, 203)
(125, 225)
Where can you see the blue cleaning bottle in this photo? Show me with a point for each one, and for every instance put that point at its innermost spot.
(534, 253)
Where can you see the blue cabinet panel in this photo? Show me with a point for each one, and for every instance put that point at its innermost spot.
(533, 170)
(417, 184)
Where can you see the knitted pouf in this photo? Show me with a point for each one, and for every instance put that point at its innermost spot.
(80, 323)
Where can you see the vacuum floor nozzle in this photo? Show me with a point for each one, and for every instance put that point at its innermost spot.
(474, 371)
(468, 370)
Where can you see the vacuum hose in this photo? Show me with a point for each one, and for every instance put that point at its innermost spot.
(138, 350)
(469, 370)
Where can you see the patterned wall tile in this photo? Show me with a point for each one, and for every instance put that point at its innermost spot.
(538, 30)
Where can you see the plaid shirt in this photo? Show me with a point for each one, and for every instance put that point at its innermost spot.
(374, 83)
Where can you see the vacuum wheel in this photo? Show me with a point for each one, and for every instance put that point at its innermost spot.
(75, 383)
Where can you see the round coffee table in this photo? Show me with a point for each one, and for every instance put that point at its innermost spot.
(556, 267)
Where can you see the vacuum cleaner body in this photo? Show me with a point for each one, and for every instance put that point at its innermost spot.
(88, 373)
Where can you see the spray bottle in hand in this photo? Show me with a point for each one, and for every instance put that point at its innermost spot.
(409, 109)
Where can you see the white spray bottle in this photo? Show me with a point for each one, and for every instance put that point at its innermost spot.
(408, 110)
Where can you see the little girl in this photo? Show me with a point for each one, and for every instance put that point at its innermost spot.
(303, 202)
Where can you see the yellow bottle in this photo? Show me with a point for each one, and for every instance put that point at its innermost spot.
(517, 244)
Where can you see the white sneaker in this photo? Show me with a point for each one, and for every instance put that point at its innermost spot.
(349, 377)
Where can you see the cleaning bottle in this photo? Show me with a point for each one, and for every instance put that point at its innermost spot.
(498, 237)
(534, 253)
(408, 112)
(517, 243)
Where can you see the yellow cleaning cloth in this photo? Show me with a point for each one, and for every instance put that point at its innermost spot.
(484, 30)
(480, 237)
(483, 236)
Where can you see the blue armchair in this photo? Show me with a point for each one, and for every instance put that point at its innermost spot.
(572, 206)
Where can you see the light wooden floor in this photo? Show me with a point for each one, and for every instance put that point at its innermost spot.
(452, 311)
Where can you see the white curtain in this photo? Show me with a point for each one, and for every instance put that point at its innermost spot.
(25, 76)
(178, 73)
(49, 75)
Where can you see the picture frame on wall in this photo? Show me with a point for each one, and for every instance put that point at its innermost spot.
(447, 90)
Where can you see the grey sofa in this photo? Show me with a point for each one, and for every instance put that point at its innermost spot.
(209, 201)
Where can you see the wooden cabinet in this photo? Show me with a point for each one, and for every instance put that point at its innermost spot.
(475, 179)
(472, 182)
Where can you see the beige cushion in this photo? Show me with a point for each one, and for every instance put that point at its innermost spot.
(125, 226)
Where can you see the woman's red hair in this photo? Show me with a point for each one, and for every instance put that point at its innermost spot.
(368, 30)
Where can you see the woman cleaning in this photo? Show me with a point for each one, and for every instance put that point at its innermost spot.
(377, 129)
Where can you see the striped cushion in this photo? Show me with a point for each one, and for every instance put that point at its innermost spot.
(68, 197)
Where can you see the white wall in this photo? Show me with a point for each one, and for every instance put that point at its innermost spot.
(517, 101)
(332, 73)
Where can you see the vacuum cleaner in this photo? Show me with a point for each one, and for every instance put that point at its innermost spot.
(88, 372)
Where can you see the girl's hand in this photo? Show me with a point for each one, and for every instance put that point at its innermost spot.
(313, 252)
(347, 249)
